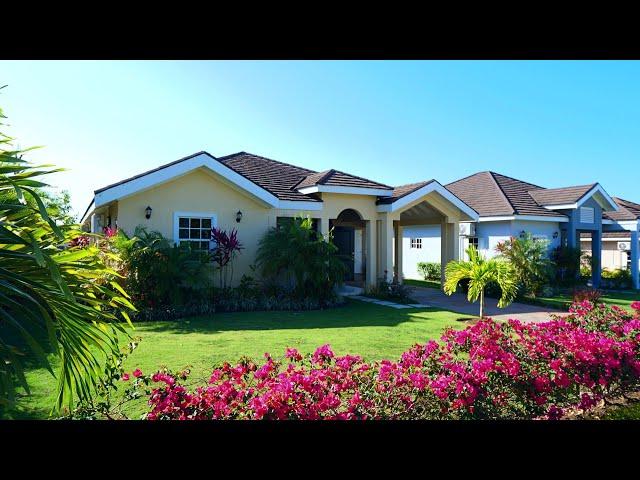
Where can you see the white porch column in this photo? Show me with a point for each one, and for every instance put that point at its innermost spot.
(455, 240)
(399, 244)
(324, 227)
(449, 244)
(372, 255)
(443, 249)
(387, 246)
(635, 274)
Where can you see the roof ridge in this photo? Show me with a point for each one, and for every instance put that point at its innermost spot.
(626, 201)
(413, 183)
(362, 178)
(468, 176)
(325, 177)
(518, 180)
(268, 159)
(590, 185)
(492, 175)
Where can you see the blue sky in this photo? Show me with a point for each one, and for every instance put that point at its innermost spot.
(552, 123)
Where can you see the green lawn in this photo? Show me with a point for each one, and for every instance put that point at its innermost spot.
(563, 301)
(373, 331)
(423, 283)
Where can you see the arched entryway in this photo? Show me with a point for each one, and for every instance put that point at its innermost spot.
(348, 236)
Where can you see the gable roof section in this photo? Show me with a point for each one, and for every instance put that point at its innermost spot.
(245, 170)
(176, 169)
(402, 191)
(626, 211)
(405, 195)
(560, 196)
(339, 179)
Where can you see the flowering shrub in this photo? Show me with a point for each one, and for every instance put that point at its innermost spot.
(593, 295)
(489, 370)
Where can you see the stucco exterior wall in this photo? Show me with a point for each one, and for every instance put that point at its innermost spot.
(430, 251)
(538, 230)
(612, 258)
(197, 192)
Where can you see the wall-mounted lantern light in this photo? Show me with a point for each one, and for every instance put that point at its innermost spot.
(555, 235)
(238, 216)
(147, 213)
(523, 234)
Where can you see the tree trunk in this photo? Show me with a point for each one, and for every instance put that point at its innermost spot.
(481, 304)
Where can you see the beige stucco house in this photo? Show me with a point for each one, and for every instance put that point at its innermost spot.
(183, 199)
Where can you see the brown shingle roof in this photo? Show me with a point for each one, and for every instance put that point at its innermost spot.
(482, 193)
(339, 179)
(628, 210)
(560, 196)
(491, 194)
(621, 234)
(401, 191)
(276, 177)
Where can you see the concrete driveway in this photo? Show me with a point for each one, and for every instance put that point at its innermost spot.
(458, 303)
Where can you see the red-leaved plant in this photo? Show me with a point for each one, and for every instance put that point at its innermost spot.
(226, 247)
(592, 295)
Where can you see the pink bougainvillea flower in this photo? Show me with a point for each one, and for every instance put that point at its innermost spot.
(137, 373)
(125, 377)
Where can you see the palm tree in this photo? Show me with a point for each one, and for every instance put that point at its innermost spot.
(54, 297)
(481, 272)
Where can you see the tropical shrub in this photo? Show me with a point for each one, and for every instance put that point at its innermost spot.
(429, 270)
(55, 297)
(391, 291)
(616, 279)
(160, 275)
(592, 295)
(487, 371)
(310, 263)
(480, 273)
(566, 265)
(529, 258)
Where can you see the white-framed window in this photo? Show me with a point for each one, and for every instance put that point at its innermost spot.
(194, 228)
(416, 243)
(587, 215)
(473, 242)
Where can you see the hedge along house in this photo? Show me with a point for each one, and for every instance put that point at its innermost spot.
(184, 199)
(508, 207)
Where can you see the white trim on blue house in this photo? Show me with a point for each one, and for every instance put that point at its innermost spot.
(531, 218)
(608, 204)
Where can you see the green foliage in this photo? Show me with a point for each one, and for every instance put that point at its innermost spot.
(429, 270)
(159, 274)
(308, 262)
(64, 301)
(566, 263)
(482, 272)
(528, 256)
(617, 279)
(391, 291)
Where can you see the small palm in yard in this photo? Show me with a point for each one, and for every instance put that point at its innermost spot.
(481, 272)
